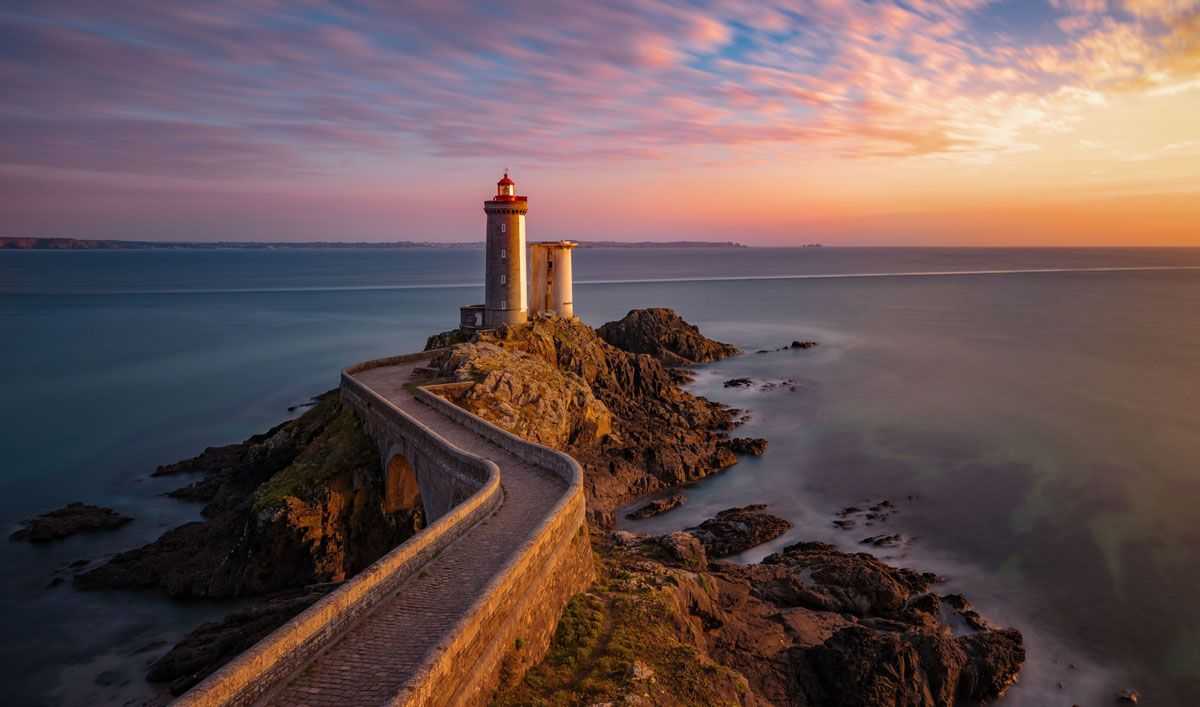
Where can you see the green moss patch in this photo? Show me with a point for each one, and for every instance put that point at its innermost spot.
(339, 447)
(622, 639)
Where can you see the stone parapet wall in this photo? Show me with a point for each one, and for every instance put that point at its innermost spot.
(506, 630)
(259, 669)
(509, 629)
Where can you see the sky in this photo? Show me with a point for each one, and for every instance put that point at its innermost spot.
(924, 122)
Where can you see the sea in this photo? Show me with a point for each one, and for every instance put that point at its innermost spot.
(1032, 414)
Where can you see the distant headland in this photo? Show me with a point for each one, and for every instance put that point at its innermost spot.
(13, 243)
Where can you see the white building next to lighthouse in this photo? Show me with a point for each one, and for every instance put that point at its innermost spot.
(505, 284)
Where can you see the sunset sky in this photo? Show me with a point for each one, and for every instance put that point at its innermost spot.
(960, 122)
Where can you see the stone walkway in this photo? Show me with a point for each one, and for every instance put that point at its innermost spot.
(376, 657)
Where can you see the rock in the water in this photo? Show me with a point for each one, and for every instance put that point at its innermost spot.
(67, 521)
(213, 644)
(802, 344)
(738, 383)
(657, 507)
(736, 530)
(1129, 696)
(752, 446)
(664, 335)
(889, 540)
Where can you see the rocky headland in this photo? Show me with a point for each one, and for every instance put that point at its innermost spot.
(291, 512)
(667, 623)
(288, 514)
(620, 412)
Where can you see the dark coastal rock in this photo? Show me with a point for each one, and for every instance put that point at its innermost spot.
(736, 530)
(69, 520)
(830, 580)
(811, 625)
(802, 344)
(864, 666)
(751, 446)
(664, 335)
(888, 540)
(1128, 696)
(657, 507)
(738, 383)
(211, 645)
(299, 505)
(768, 386)
(448, 338)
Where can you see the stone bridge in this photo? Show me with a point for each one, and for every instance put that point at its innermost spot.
(474, 596)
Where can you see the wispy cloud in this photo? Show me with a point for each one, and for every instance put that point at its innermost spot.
(262, 90)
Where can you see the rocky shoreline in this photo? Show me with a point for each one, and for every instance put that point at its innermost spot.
(291, 512)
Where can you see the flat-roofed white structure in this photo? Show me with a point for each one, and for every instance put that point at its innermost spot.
(550, 281)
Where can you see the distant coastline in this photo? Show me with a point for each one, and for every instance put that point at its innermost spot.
(11, 243)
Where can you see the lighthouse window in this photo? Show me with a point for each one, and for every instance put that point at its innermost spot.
(503, 253)
(503, 279)
(503, 304)
(504, 228)
(550, 265)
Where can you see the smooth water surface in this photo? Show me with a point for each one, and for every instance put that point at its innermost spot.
(1043, 424)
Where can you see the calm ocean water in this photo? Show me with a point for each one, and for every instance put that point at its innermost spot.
(1044, 423)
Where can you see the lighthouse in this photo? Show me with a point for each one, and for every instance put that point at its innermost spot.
(504, 267)
(504, 270)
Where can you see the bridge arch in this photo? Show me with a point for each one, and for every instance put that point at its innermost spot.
(401, 489)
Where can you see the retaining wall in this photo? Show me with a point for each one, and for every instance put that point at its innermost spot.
(506, 630)
(287, 649)
(510, 627)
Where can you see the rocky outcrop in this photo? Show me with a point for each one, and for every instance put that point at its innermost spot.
(664, 335)
(748, 446)
(656, 507)
(300, 505)
(69, 520)
(527, 395)
(620, 413)
(808, 626)
(736, 530)
(448, 338)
